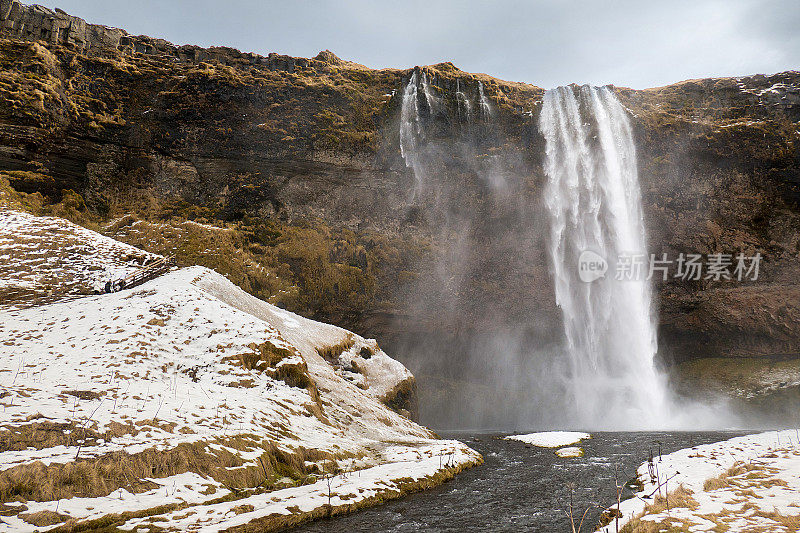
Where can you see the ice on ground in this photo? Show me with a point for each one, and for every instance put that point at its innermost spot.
(551, 439)
(361, 362)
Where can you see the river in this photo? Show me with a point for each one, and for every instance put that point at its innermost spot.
(521, 488)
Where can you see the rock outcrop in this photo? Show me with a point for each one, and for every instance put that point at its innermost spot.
(55, 27)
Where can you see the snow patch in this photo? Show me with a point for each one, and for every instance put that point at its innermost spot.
(572, 451)
(775, 489)
(551, 439)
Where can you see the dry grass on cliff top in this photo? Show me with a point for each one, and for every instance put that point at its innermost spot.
(334, 104)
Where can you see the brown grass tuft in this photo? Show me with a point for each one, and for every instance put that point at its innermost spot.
(44, 518)
(333, 351)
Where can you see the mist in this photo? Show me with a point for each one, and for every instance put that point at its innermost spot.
(495, 343)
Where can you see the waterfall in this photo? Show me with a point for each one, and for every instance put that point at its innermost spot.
(411, 130)
(508, 368)
(464, 105)
(431, 100)
(594, 207)
(486, 109)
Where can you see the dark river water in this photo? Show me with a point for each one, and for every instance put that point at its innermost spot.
(520, 488)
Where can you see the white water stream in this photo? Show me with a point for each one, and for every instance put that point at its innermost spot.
(593, 202)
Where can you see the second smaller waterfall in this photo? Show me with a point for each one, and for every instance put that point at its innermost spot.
(464, 105)
(411, 130)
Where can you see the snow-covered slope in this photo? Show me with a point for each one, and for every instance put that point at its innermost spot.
(749, 483)
(48, 258)
(189, 400)
(325, 346)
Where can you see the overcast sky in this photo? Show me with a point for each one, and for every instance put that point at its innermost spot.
(635, 43)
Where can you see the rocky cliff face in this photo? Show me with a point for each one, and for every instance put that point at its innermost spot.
(720, 166)
(291, 174)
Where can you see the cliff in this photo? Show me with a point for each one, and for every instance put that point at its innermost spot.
(290, 174)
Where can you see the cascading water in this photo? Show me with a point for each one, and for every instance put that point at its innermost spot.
(593, 202)
(464, 105)
(486, 109)
(431, 100)
(411, 130)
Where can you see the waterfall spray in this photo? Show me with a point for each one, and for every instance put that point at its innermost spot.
(484, 232)
(593, 201)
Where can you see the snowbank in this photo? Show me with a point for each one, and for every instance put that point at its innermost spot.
(742, 484)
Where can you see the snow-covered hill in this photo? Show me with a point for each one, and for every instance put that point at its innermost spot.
(185, 399)
(48, 258)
